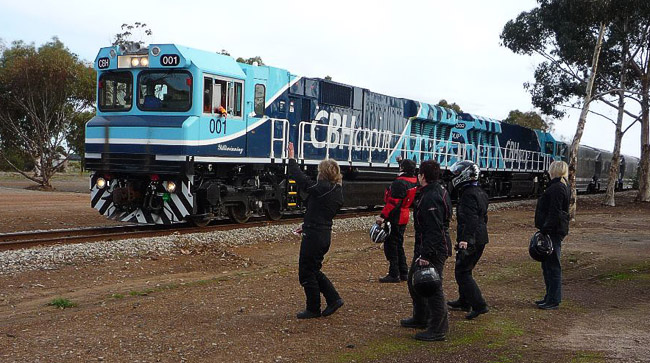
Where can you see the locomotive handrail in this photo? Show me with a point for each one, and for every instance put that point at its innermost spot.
(284, 139)
(446, 152)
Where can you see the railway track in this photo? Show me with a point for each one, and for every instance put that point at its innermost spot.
(22, 240)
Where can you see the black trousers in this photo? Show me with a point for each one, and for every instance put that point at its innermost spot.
(468, 292)
(433, 309)
(394, 251)
(553, 273)
(315, 244)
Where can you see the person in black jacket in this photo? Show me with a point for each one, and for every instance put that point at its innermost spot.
(431, 216)
(398, 198)
(552, 219)
(324, 199)
(472, 236)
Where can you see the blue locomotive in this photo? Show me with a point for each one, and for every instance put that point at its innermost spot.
(188, 135)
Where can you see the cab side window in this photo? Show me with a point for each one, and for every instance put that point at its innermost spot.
(549, 147)
(207, 95)
(260, 96)
(223, 93)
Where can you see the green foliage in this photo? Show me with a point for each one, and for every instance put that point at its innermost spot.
(257, 59)
(530, 119)
(328, 78)
(76, 136)
(564, 33)
(132, 33)
(453, 106)
(62, 303)
(42, 90)
(224, 52)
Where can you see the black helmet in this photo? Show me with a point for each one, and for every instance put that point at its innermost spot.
(407, 166)
(540, 246)
(464, 171)
(378, 233)
(426, 281)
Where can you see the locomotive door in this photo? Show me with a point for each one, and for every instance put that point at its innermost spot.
(293, 115)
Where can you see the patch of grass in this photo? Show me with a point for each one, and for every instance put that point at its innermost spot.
(62, 303)
(144, 292)
(587, 357)
(639, 272)
(379, 349)
(507, 357)
(117, 296)
(492, 334)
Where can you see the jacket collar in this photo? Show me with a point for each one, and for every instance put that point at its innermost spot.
(428, 187)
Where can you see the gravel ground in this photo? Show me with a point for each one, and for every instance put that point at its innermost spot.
(51, 257)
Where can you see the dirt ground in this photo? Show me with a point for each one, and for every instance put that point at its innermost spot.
(238, 304)
(68, 206)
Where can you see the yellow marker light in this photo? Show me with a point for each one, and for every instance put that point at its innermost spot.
(144, 62)
(135, 62)
(100, 183)
(171, 186)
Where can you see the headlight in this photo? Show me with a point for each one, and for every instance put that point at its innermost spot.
(144, 62)
(135, 62)
(100, 183)
(171, 186)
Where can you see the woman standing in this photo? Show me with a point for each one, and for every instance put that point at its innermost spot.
(324, 199)
(552, 219)
(431, 217)
(472, 235)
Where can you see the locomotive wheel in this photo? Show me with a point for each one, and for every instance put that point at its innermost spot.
(239, 214)
(272, 210)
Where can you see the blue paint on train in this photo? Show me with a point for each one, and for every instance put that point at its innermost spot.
(327, 119)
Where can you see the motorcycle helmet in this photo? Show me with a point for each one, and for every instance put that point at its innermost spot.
(464, 172)
(426, 281)
(540, 246)
(378, 233)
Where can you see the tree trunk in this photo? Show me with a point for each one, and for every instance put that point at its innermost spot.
(644, 164)
(614, 168)
(573, 155)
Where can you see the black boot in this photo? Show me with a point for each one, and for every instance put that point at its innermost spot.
(413, 323)
(430, 336)
(458, 305)
(306, 314)
(389, 279)
(331, 308)
(475, 313)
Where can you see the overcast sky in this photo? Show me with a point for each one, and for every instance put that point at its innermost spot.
(423, 50)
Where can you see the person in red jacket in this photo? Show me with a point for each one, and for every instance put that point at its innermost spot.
(398, 198)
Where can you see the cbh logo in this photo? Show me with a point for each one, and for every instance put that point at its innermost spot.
(341, 134)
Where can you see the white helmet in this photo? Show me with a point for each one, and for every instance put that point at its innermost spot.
(378, 233)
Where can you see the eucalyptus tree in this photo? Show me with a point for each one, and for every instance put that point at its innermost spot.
(639, 64)
(530, 119)
(41, 91)
(564, 33)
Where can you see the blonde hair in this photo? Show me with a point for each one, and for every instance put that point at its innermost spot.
(329, 170)
(559, 169)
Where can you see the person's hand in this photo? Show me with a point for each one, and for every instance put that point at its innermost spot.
(423, 262)
(379, 220)
(462, 245)
(290, 152)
